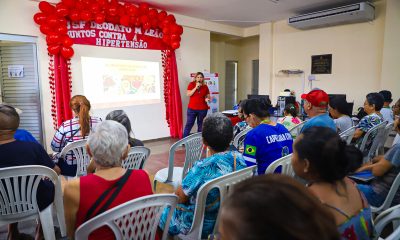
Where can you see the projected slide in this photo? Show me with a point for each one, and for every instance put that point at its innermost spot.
(110, 83)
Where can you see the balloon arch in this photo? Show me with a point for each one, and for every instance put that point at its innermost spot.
(54, 22)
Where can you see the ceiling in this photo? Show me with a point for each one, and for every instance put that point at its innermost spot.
(243, 13)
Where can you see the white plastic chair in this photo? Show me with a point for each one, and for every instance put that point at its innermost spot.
(174, 175)
(224, 184)
(136, 219)
(284, 162)
(348, 134)
(385, 135)
(295, 131)
(390, 215)
(137, 157)
(239, 139)
(18, 191)
(377, 134)
(389, 198)
(82, 158)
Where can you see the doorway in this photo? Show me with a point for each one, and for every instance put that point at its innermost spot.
(19, 81)
(254, 80)
(231, 75)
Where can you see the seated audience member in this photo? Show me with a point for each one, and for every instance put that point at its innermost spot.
(73, 130)
(324, 160)
(315, 105)
(338, 108)
(385, 168)
(372, 105)
(267, 141)
(217, 134)
(121, 117)
(21, 134)
(386, 112)
(245, 215)
(290, 119)
(240, 126)
(18, 153)
(108, 146)
(396, 113)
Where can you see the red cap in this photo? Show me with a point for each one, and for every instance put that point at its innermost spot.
(317, 98)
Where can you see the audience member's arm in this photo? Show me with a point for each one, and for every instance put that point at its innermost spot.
(358, 133)
(58, 139)
(57, 169)
(71, 205)
(182, 198)
(378, 167)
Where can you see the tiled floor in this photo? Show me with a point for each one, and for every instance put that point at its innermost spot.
(158, 159)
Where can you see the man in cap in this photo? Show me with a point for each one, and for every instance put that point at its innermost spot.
(315, 105)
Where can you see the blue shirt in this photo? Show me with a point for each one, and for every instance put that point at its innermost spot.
(265, 144)
(322, 120)
(24, 136)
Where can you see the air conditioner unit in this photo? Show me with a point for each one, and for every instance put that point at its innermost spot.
(359, 12)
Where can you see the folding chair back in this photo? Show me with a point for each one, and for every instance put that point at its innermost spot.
(78, 148)
(137, 157)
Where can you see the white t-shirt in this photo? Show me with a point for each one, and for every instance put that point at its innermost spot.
(343, 123)
(387, 114)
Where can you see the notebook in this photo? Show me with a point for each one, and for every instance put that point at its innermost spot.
(364, 176)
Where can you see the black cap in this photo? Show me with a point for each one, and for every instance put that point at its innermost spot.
(387, 95)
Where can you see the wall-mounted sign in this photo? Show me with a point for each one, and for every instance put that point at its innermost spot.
(15, 71)
(321, 64)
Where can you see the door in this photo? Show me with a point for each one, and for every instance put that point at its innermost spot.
(21, 89)
(230, 84)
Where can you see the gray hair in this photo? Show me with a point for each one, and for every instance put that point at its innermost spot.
(217, 131)
(108, 143)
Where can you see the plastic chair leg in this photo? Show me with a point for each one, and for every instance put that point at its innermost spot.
(46, 219)
(59, 209)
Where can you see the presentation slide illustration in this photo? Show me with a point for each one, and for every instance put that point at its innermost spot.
(116, 83)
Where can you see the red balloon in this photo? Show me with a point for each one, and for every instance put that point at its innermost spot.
(153, 13)
(53, 49)
(124, 20)
(94, 8)
(171, 18)
(143, 8)
(68, 3)
(46, 7)
(39, 18)
(85, 16)
(74, 15)
(53, 38)
(154, 23)
(52, 20)
(137, 23)
(79, 5)
(162, 15)
(144, 19)
(146, 25)
(62, 30)
(175, 45)
(67, 52)
(132, 10)
(112, 10)
(99, 18)
(166, 30)
(166, 38)
(45, 29)
(175, 38)
(61, 10)
(67, 41)
(180, 29)
(62, 21)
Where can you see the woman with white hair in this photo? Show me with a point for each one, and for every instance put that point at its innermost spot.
(88, 196)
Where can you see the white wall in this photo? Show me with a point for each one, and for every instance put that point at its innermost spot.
(356, 56)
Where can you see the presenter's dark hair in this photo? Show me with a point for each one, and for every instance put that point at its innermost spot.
(260, 207)
(217, 132)
(257, 106)
(376, 99)
(197, 74)
(331, 159)
(9, 118)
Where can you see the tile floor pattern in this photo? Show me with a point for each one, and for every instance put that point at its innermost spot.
(158, 159)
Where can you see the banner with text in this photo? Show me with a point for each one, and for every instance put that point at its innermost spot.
(114, 35)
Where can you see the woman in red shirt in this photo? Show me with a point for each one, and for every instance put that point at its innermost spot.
(199, 96)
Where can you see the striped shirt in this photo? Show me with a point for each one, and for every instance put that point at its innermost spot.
(68, 132)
